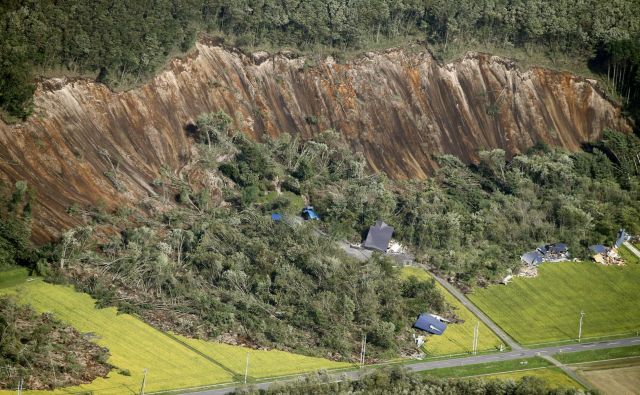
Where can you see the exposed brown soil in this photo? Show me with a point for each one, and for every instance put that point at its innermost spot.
(86, 144)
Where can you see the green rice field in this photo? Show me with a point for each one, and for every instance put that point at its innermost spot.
(458, 338)
(172, 362)
(547, 308)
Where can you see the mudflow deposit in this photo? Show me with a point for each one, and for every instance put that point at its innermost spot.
(398, 107)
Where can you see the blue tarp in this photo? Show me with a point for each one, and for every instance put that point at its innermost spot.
(428, 323)
(309, 213)
(598, 249)
(276, 217)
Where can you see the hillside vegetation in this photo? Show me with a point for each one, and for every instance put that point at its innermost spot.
(211, 263)
(122, 43)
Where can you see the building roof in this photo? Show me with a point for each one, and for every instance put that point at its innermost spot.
(276, 217)
(378, 237)
(532, 258)
(429, 323)
(622, 237)
(557, 248)
(598, 249)
(310, 213)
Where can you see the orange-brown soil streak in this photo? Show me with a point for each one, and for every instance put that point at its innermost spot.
(399, 107)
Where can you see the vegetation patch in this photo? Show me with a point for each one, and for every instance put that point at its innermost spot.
(490, 368)
(458, 337)
(398, 381)
(598, 355)
(551, 377)
(547, 308)
(43, 352)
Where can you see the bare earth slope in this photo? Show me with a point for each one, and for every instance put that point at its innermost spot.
(398, 107)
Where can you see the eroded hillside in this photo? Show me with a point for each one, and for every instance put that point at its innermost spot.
(87, 144)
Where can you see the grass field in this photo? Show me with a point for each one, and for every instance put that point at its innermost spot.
(514, 370)
(554, 377)
(489, 368)
(547, 308)
(598, 355)
(135, 346)
(12, 277)
(458, 338)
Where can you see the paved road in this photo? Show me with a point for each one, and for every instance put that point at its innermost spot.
(447, 363)
(632, 248)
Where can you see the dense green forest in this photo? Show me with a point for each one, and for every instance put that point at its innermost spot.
(123, 42)
(44, 351)
(397, 381)
(210, 262)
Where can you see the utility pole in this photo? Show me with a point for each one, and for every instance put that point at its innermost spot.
(476, 331)
(363, 350)
(246, 369)
(580, 330)
(144, 382)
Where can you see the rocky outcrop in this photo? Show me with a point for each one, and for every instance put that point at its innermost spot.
(87, 144)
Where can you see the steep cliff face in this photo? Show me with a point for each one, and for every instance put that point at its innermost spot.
(86, 144)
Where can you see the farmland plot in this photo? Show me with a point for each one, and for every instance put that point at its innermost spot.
(547, 308)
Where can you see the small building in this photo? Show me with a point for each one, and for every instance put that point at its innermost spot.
(276, 217)
(378, 237)
(429, 323)
(309, 214)
(623, 237)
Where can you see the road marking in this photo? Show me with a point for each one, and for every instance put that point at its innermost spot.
(635, 341)
(614, 343)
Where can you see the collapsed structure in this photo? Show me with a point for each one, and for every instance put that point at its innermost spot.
(557, 252)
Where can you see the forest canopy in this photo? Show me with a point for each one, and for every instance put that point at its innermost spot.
(124, 42)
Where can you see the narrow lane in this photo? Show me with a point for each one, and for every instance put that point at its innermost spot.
(632, 248)
(478, 313)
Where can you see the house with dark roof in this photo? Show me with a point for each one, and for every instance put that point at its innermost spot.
(378, 237)
(430, 323)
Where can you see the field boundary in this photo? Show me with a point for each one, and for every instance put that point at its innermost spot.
(583, 340)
